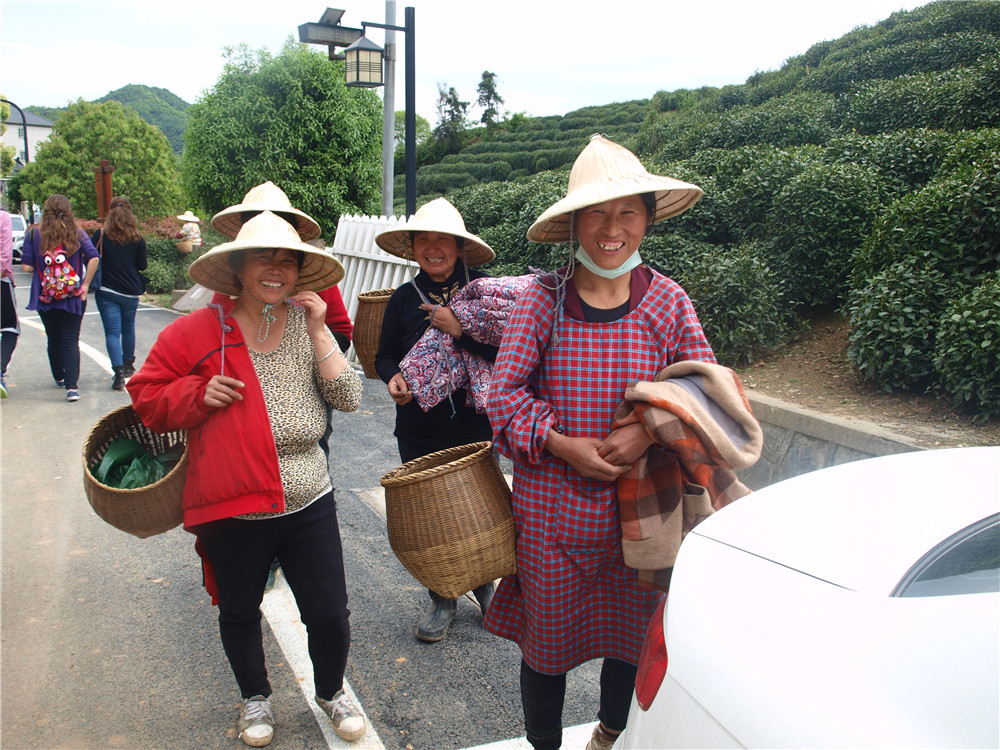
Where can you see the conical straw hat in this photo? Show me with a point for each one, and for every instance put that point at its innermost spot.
(319, 271)
(436, 216)
(265, 197)
(605, 171)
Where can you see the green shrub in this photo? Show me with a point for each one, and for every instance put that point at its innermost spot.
(952, 225)
(791, 120)
(817, 222)
(967, 349)
(766, 172)
(956, 99)
(917, 56)
(893, 322)
(674, 253)
(906, 159)
(739, 303)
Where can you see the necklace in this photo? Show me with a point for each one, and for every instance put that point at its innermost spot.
(266, 320)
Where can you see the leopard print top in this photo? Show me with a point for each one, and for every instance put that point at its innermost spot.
(296, 396)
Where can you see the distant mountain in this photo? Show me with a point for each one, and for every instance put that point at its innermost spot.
(157, 106)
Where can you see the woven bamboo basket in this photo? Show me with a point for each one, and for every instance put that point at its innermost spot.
(450, 520)
(368, 327)
(147, 510)
(184, 246)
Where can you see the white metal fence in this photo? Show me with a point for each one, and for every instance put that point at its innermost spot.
(368, 266)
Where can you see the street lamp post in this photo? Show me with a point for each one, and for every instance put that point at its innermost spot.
(24, 131)
(364, 68)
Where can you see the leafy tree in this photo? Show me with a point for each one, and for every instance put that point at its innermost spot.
(6, 152)
(489, 100)
(145, 167)
(451, 119)
(292, 120)
(423, 129)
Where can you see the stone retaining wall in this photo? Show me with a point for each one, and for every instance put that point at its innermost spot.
(797, 441)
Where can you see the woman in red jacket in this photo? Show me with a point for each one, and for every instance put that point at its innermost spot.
(258, 371)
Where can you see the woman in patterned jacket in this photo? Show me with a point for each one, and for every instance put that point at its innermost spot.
(250, 380)
(574, 341)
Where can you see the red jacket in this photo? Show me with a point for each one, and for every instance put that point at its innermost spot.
(337, 319)
(232, 459)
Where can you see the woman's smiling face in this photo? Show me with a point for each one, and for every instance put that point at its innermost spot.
(612, 231)
(436, 253)
(270, 275)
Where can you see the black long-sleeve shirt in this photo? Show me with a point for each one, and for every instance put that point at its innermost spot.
(418, 432)
(120, 265)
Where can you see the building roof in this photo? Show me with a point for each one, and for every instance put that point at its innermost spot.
(30, 119)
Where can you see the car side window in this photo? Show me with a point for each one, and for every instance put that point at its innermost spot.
(966, 563)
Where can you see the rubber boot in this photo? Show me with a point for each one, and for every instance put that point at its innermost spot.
(129, 367)
(434, 626)
(119, 382)
(484, 595)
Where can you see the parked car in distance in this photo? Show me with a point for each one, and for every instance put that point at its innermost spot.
(855, 606)
(18, 227)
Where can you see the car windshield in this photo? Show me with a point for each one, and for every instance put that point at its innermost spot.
(17, 223)
(966, 563)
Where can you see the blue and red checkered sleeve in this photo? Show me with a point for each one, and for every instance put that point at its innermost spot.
(686, 339)
(520, 420)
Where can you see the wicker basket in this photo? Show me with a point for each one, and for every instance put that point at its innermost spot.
(184, 246)
(145, 511)
(368, 327)
(449, 519)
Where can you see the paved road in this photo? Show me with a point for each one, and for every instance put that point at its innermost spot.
(109, 641)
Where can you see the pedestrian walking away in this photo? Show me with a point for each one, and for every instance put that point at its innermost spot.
(119, 285)
(62, 262)
(436, 237)
(575, 339)
(257, 371)
(10, 326)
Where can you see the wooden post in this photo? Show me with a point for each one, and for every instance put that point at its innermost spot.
(104, 194)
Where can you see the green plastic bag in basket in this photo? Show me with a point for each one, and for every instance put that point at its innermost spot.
(128, 466)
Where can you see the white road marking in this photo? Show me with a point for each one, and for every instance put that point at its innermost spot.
(283, 617)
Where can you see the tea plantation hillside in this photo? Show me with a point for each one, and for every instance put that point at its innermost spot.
(863, 175)
(524, 146)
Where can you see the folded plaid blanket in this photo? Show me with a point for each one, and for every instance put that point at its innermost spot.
(436, 366)
(699, 416)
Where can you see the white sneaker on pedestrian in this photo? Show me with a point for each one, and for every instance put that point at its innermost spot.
(256, 724)
(347, 720)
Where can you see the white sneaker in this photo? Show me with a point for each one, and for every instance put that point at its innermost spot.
(256, 723)
(347, 720)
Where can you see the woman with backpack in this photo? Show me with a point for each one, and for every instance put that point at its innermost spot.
(123, 255)
(62, 262)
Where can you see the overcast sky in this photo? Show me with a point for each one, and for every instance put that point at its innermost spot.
(550, 57)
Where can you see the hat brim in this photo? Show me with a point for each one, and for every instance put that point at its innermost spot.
(229, 221)
(397, 242)
(673, 197)
(319, 271)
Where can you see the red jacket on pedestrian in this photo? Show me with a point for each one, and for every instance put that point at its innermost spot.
(232, 458)
(337, 319)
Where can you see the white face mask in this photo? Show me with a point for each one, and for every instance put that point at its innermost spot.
(608, 273)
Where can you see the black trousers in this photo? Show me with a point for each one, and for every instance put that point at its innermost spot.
(307, 543)
(62, 329)
(542, 697)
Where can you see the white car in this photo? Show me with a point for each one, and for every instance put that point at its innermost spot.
(18, 227)
(856, 606)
